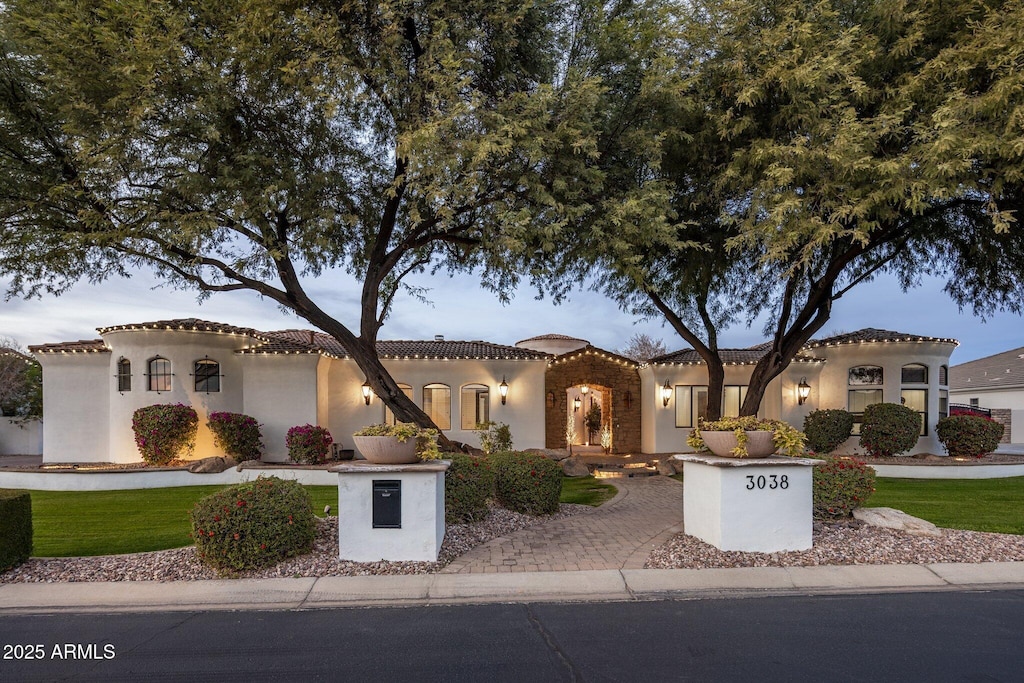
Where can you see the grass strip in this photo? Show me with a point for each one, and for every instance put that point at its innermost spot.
(995, 505)
(586, 491)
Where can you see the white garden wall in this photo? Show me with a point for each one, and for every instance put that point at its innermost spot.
(21, 438)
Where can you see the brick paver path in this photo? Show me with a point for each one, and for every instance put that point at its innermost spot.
(618, 535)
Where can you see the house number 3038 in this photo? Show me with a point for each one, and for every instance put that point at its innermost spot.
(772, 481)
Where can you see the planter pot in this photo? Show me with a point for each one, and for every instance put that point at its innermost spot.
(387, 450)
(759, 443)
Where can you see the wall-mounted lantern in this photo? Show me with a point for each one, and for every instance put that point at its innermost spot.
(503, 390)
(584, 389)
(366, 392)
(803, 390)
(666, 394)
(576, 403)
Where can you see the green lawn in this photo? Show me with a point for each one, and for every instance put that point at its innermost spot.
(586, 491)
(112, 522)
(977, 504)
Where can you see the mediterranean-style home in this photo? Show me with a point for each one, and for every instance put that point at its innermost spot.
(293, 377)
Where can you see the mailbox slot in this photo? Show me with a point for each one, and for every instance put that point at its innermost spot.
(387, 504)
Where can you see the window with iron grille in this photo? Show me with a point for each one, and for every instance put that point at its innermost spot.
(159, 374)
(124, 375)
(207, 375)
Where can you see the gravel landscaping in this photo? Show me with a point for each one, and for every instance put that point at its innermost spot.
(181, 564)
(848, 542)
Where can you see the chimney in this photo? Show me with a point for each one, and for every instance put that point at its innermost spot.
(311, 338)
(438, 337)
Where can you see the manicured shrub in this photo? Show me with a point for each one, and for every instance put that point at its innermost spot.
(253, 525)
(888, 429)
(15, 528)
(308, 444)
(495, 437)
(527, 482)
(468, 483)
(969, 436)
(826, 430)
(164, 431)
(840, 485)
(237, 434)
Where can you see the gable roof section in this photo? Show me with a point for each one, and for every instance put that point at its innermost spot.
(1001, 370)
(873, 335)
(590, 350)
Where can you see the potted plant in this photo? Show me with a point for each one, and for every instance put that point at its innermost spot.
(746, 437)
(396, 444)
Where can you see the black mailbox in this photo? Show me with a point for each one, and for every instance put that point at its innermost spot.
(387, 504)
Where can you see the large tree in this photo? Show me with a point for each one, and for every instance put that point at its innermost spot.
(256, 144)
(21, 382)
(809, 146)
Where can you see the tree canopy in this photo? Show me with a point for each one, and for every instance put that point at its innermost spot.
(808, 146)
(21, 382)
(257, 144)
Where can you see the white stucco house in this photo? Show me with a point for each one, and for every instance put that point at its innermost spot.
(285, 378)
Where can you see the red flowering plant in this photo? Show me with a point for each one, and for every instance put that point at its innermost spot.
(308, 444)
(969, 436)
(253, 525)
(237, 434)
(840, 486)
(526, 482)
(163, 431)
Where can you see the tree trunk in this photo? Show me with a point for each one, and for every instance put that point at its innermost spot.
(716, 386)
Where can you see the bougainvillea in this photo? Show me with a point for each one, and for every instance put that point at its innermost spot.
(164, 431)
(308, 444)
(237, 434)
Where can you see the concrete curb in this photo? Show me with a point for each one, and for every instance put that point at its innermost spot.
(441, 589)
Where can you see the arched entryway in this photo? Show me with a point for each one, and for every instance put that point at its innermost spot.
(588, 407)
(612, 383)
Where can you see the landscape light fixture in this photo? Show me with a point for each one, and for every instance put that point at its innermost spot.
(503, 389)
(366, 392)
(803, 390)
(666, 394)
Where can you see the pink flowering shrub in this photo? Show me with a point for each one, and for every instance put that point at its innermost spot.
(253, 525)
(237, 434)
(308, 444)
(163, 431)
(840, 485)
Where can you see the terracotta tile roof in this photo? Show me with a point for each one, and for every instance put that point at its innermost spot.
(590, 350)
(1001, 370)
(80, 346)
(552, 337)
(8, 351)
(184, 324)
(871, 334)
(729, 356)
(308, 341)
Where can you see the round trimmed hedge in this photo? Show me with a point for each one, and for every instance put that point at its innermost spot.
(253, 525)
(889, 428)
(164, 430)
(827, 429)
(468, 484)
(969, 436)
(237, 434)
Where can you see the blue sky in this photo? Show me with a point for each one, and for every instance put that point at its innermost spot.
(461, 310)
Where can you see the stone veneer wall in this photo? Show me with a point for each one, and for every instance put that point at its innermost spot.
(1002, 416)
(599, 369)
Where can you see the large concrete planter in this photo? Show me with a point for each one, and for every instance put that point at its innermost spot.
(760, 444)
(387, 450)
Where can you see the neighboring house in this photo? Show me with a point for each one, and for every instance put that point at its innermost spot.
(292, 377)
(995, 383)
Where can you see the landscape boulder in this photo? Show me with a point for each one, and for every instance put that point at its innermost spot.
(574, 467)
(211, 465)
(890, 518)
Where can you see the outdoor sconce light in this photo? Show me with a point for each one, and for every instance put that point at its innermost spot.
(803, 390)
(551, 399)
(666, 394)
(503, 390)
(576, 403)
(584, 389)
(366, 392)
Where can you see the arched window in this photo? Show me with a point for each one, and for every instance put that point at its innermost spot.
(389, 417)
(476, 406)
(159, 373)
(124, 375)
(207, 375)
(943, 375)
(865, 375)
(914, 373)
(437, 403)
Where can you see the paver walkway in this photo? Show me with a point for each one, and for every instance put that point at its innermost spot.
(618, 535)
